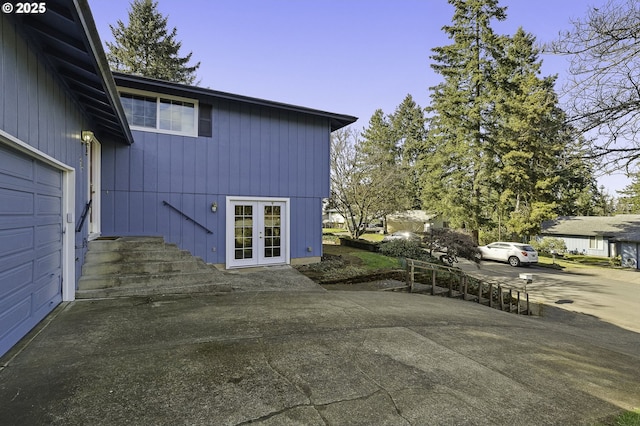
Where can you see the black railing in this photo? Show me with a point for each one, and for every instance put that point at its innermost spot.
(83, 216)
(187, 217)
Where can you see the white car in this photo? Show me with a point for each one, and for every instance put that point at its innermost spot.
(515, 253)
(402, 235)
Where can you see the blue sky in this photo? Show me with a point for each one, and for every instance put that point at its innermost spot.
(344, 56)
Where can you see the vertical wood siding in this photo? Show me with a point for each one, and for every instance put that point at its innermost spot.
(254, 151)
(37, 110)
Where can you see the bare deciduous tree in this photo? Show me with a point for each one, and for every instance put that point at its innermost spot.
(362, 190)
(604, 86)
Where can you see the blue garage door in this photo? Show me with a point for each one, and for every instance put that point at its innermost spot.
(30, 244)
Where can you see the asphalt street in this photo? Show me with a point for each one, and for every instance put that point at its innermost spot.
(612, 295)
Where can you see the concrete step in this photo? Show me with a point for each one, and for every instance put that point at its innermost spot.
(134, 266)
(129, 243)
(189, 264)
(96, 257)
(167, 288)
(148, 280)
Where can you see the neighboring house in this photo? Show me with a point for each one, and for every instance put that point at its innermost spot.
(606, 236)
(331, 218)
(84, 154)
(414, 221)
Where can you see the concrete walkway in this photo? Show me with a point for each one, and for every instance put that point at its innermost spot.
(313, 357)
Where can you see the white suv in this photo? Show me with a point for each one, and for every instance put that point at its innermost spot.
(515, 253)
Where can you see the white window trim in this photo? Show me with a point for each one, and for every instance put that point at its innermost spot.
(126, 90)
(596, 242)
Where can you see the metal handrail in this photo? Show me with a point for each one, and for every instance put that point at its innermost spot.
(187, 217)
(83, 216)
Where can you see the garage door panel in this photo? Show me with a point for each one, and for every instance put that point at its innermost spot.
(14, 279)
(14, 241)
(16, 165)
(48, 234)
(14, 317)
(16, 202)
(47, 291)
(47, 264)
(49, 204)
(30, 243)
(48, 177)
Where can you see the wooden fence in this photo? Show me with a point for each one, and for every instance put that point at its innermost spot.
(437, 279)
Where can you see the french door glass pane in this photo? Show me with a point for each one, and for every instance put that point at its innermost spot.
(243, 232)
(271, 230)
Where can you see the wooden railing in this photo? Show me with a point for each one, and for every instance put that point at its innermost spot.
(447, 281)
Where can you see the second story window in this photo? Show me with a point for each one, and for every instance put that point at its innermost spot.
(165, 114)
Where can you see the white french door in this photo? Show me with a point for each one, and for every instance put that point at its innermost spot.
(257, 232)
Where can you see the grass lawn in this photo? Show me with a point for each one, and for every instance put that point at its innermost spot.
(629, 418)
(363, 258)
(547, 261)
(333, 230)
(375, 261)
(372, 237)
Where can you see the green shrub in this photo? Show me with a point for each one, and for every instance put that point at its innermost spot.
(404, 249)
(548, 244)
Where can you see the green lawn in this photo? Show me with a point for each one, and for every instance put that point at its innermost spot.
(363, 258)
(376, 261)
(332, 230)
(372, 237)
(628, 418)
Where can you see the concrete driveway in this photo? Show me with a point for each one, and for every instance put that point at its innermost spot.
(313, 358)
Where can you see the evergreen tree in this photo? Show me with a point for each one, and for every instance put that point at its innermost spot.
(528, 139)
(381, 158)
(455, 161)
(497, 138)
(629, 202)
(145, 47)
(408, 126)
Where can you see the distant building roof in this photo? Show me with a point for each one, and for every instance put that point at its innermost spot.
(412, 216)
(624, 227)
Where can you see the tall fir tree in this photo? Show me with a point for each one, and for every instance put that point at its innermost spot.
(528, 139)
(454, 162)
(497, 139)
(408, 126)
(145, 46)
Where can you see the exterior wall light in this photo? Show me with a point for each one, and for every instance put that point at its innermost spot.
(214, 207)
(87, 136)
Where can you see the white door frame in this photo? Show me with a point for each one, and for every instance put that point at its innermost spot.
(256, 260)
(68, 210)
(94, 163)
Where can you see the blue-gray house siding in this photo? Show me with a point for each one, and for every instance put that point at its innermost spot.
(52, 88)
(36, 112)
(60, 107)
(254, 151)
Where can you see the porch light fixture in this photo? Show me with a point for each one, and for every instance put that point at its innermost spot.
(214, 207)
(87, 136)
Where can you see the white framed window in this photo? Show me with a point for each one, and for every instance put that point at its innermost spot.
(156, 112)
(596, 242)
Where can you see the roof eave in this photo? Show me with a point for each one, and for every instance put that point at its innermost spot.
(102, 64)
(337, 121)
